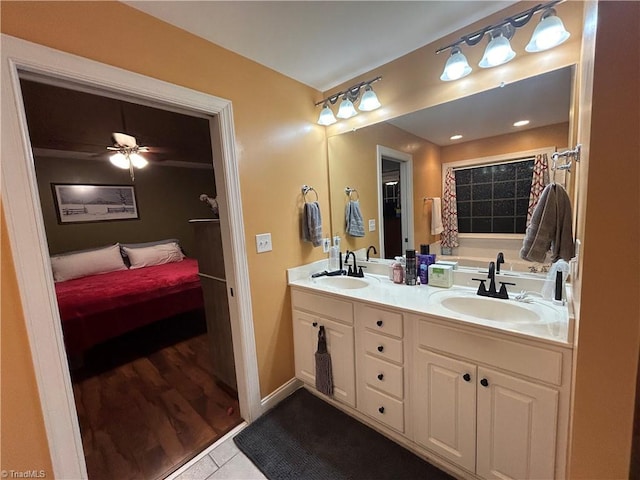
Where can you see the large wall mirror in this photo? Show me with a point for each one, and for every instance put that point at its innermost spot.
(394, 194)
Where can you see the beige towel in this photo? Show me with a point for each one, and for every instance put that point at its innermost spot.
(550, 227)
(436, 216)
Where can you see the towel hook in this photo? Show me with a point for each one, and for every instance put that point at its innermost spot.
(306, 189)
(349, 191)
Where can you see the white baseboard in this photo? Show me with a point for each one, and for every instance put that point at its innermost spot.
(280, 394)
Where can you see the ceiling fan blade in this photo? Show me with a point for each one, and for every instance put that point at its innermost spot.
(124, 139)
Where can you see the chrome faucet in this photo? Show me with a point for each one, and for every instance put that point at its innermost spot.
(355, 271)
(369, 249)
(499, 261)
(492, 292)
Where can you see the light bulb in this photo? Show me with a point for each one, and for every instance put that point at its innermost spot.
(119, 160)
(346, 110)
(137, 160)
(369, 100)
(326, 116)
(456, 66)
(549, 33)
(498, 52)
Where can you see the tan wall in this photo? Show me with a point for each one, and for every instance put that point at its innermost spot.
(279, 136)
(608, 318)
(352, 162)
(23, 441)
(550, 136)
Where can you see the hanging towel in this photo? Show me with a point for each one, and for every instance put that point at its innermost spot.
(324, 374)
(312, 224)
(550, 227)
(436, 216)
(355, 224)
(449, 236)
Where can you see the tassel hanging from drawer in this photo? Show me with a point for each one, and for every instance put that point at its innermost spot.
(324, 374)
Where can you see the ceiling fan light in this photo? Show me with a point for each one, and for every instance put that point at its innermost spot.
(326, 116)
(549, 33)
(346, 110)
(456, 67)
(138, 160)
(498, 52)
(369, 100)
(119, 160)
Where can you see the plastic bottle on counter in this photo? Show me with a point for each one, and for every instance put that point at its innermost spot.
(398, 272)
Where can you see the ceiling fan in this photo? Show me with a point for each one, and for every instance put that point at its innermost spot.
(127, 153)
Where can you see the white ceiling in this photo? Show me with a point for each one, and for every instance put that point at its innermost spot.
(321, 43)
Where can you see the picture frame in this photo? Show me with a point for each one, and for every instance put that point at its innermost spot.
(89, 203)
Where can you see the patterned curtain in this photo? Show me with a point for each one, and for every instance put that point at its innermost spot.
(449, 237)
(538, 182)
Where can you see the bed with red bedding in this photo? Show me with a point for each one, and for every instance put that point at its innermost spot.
(99, 307)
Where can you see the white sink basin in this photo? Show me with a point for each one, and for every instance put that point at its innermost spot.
(348, 283)
(491, 309)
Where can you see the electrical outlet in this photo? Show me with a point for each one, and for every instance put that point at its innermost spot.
(326, 243)
(263, 242)
(372, 225)
(336, 241)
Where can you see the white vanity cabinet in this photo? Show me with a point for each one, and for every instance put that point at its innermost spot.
(488, 404)
(310, 311)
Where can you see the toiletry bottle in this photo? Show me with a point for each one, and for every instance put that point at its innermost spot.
(410, 274)
(333, 258)
(398, 272)
(423, 268)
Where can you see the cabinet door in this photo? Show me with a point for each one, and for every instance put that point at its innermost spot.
(340, 347)
(444, 405)
(517, 422)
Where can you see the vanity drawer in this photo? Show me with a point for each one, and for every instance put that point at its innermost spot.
(322, 305)
(383, 408)
(525, 359)
(383, 346)
(384, 376)
(380, 320)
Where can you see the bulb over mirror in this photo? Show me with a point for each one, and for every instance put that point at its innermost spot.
(549, 33)
(498, 52)
(346, 110)
(456, 66)
(369, 100)
(326, 116)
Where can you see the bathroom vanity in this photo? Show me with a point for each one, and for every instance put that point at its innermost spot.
(479, 388)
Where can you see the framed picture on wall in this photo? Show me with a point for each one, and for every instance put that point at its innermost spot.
(94, 203)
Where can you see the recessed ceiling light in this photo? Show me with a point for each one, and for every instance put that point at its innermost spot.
(521, 123)
(457, 136)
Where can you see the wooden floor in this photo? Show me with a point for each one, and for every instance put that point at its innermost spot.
(147, 405)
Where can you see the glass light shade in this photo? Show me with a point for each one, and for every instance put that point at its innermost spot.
(119, 160)
(369, 100)
(549, 33)
(456, 66)
(346, 110)
(498, 52)
(326, 116)
(138, 160)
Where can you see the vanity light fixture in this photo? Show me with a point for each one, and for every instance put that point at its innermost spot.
(368, 102)
(550, 32)
(457, 136)
(521, 123)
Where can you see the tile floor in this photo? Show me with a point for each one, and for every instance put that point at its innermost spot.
(222, 460)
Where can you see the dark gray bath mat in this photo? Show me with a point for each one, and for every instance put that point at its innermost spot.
(304, 438)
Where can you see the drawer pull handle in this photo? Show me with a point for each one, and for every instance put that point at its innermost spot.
(380, 376)
(484, 382)
(466, 377)
(380, 348)
(315, 324)
(381, 409)
(379, 323)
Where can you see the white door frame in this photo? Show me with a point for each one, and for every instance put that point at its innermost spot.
(26, 232)
(406, 195)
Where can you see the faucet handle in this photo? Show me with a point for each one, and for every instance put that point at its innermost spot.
(503, 290)
(482, 288)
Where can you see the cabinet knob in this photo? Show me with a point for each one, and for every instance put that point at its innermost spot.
(380, 348)
(380, 376)
(466, 377)
(379, 323)
(315, 324)
(381, 409)
(484, 382)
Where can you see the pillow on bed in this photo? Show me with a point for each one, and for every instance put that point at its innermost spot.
(72, 265)
(144, 245)
(154, 255)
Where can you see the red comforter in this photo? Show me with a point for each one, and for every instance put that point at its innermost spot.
(99, 307)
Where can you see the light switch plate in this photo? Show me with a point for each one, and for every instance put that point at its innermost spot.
(263, 242)
(336, 241)
(372, 225)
